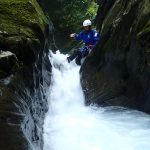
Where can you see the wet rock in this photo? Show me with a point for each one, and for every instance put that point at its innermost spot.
(118, 72)
(25, 70)
(8, 63)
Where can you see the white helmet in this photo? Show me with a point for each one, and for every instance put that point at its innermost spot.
(87, 23)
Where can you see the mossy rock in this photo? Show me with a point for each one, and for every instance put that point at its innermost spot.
(24, 43)
(21, 17)
(23, 29)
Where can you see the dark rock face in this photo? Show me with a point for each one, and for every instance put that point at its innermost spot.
(25, 71)
(8, 62)
(117, 72)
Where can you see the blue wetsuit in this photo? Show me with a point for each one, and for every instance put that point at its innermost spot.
(90, 39)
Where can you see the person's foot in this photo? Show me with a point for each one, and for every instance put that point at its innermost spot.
(68, 59)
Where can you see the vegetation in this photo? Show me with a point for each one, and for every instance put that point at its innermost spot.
(69, 15)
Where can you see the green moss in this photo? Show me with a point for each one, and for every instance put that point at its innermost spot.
(20, 17)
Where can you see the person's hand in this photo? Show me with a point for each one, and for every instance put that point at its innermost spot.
(72, 35)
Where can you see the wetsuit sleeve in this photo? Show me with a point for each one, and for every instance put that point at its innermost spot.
(96, 37)
(79, 37)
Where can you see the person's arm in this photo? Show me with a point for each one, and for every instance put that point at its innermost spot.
(79, 37)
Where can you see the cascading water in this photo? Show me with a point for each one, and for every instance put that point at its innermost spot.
(69, 125)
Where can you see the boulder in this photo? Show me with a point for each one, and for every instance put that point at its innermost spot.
(25, 71)
(117, 72)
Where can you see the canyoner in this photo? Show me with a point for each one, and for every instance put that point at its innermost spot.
(89, 36)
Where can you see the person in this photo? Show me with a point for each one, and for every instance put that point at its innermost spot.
(89, 36)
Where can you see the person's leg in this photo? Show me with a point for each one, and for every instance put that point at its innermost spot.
(78, 54)
(73, 56)
(78, 58)
(85, 53)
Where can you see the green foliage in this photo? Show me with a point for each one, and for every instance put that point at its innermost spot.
(71, 13)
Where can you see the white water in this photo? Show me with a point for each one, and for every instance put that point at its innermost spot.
(69, 125)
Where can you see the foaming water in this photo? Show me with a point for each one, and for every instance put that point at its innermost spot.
(69, 125)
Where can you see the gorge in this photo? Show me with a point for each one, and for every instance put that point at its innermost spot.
(34, 81)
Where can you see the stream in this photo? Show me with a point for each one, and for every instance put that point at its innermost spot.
(70, 125)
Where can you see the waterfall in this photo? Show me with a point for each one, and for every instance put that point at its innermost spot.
(70, 125)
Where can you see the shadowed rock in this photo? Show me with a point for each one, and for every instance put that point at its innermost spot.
(118, 70)
(8, 63)
(25, 70)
